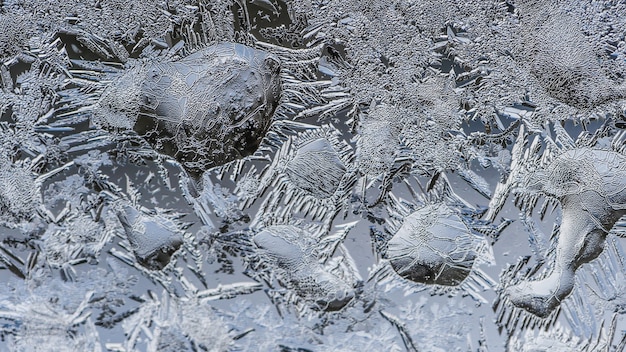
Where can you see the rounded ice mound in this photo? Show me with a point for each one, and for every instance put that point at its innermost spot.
(584, 169)
(316, 168)
(153, 240)
(286, 248)
(204, 110)
(432, 247)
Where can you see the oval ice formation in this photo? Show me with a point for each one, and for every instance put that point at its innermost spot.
(152, 240)
(204, 110)
(286, 248)
(316, 169)
(590, 185)
(429, 247)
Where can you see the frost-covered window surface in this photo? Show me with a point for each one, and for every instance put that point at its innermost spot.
(312, 175)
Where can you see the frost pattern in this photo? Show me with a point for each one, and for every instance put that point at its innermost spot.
(562, 58)
(428, 247)
(329, 175)
(589, 184)
(286, 248)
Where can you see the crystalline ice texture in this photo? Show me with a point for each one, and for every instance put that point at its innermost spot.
(285, 248)
(151, 239)
(378, 142)
(316, 168)
(562, 58)
(427, 249)
(18, 194)
(590, 184)
(207, 109)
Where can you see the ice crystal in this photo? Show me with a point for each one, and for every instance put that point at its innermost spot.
(18, 194)
(325, 175)
(287, 249)
(379, 140)
(423, 250)
(561, 58)
(176, 325)
(152, 239)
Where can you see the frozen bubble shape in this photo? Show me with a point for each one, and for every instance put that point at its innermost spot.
(204, 110)
(316, 168)
(429, 247)
(311, 171)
